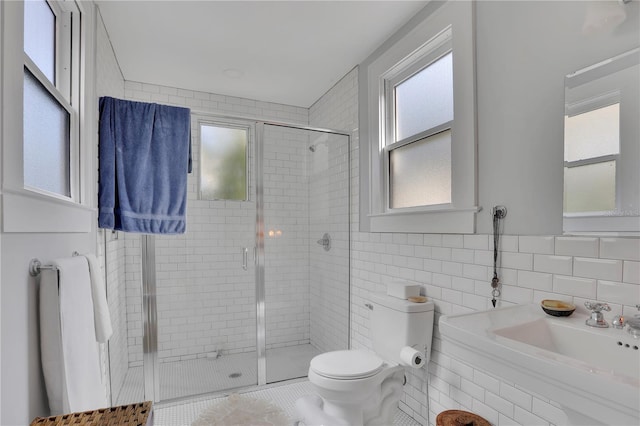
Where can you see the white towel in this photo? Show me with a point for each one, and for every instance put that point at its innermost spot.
(70, 359)
(101, 315)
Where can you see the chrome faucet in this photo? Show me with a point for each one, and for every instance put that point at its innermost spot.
(633, 324)
(597, 319)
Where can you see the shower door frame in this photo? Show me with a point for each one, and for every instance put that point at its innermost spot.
(151, 371)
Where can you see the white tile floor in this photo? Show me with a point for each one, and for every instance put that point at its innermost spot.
(222, 375)
(206, 375)
(283, 395)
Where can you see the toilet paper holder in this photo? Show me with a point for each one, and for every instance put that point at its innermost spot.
(412, 357)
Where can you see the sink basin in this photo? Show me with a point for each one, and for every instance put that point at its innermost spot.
(594, 374)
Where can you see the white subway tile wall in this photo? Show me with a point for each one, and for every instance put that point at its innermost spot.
(631, 272)
(133, 279)
(620, 248)
(286, 240)
(115, 276)
(577, 246)
(329, 213)
(206, 301)
(455, 272)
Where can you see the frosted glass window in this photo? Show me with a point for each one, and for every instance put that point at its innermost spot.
(590, 188)
(420, 172)
(425, 100)
(46, 139)
(223, 171)
(40, 36)
(592, 134)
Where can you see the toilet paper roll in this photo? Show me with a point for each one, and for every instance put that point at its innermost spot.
(411, 357)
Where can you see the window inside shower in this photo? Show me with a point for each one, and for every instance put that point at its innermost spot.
(223, 161)
(248, 295)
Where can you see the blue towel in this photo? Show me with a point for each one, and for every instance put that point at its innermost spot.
(144, 156)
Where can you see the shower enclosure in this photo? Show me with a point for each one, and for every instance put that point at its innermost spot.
(253, 290)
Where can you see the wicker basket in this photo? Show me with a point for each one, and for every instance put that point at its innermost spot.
(460, 418)
(139, 414)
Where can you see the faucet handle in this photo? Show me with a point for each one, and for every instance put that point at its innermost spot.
(618, 321)
(597, 306)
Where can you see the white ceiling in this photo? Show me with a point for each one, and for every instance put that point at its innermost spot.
(289, 52)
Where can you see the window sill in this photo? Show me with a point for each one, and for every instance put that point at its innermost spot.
(25, 211)
(446, 221)
(601, 224)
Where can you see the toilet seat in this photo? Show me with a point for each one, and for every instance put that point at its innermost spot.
(347, 365)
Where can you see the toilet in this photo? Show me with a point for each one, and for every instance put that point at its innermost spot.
(360, 387)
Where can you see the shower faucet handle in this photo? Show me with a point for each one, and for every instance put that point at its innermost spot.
(325, 241)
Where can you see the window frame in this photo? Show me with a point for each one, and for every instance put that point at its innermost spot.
(66, 57)
(27, 209)
(399, 56)
(419, 61)
(428, 54)
(73, 141)
(232, 124)
(582, 107)
(622, 220)
(434, 131)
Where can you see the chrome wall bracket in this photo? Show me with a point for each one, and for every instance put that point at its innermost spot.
(325, 242)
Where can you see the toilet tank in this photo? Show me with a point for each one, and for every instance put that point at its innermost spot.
(396, 323)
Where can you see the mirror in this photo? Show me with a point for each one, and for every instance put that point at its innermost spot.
(602, 147)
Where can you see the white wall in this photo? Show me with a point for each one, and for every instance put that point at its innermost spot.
(22, 390)
(524, 49)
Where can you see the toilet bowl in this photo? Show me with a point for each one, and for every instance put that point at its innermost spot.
(360, 387)
(356, 387)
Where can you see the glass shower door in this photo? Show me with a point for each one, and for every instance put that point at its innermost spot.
(205, 312)
(305, 207)
(205, 278)
(123, 277)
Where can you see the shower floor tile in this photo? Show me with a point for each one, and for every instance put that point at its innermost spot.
(180, 379)
(282, 395)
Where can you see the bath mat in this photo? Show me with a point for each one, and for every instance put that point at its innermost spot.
(237, 410)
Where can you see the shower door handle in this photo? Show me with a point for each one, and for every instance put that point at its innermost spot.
(245, 255)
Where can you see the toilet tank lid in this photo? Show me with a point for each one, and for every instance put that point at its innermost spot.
(401, 305)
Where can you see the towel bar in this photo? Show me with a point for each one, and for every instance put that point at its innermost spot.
(35, 266)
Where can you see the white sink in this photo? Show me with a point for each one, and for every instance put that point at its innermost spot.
(594, 374)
